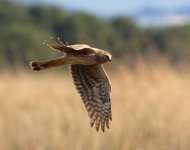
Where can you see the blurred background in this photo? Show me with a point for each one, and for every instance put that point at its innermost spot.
(150, 75)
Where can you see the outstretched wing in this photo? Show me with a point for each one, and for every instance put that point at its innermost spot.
(69, 48)
(94, 88)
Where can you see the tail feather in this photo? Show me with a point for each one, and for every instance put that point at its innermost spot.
(41, 65)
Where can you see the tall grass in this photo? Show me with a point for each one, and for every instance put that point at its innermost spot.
(43, 111)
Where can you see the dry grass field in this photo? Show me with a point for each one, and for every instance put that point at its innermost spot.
(43, 111)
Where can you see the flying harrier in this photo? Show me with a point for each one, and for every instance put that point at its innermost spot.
(88, 75)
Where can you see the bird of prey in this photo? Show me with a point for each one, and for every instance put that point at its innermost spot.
(88, 75)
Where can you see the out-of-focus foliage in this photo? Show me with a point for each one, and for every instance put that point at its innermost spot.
(24, 28)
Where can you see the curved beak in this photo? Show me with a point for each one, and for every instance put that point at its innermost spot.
(110, 58)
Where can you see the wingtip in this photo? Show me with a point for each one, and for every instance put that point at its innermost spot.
(51, 38)
(35, 66)
(97, 128)
(58, 38)
(91, 124)
(103, 129)
(44, 42)
(110, 118)
(60, 41)
(107, 125)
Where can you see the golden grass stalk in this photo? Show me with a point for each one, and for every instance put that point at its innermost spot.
(43, 111)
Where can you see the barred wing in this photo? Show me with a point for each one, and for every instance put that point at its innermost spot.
(94, 88)
(77, 48)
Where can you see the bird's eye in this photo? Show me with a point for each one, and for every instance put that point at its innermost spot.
(105, 57)
(108, 58)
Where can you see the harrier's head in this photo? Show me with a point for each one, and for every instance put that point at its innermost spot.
(104, 56)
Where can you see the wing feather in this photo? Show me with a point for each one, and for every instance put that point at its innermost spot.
(77, 48)
(94, 88)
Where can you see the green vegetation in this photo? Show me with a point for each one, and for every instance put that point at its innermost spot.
(24, 28)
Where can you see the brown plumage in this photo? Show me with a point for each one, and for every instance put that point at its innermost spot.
(89, 78)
